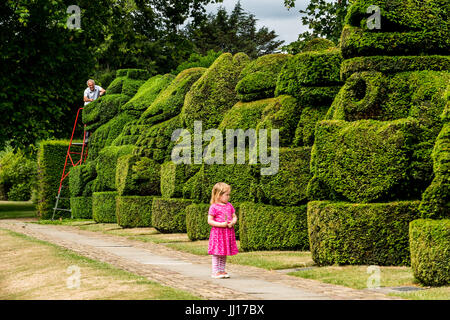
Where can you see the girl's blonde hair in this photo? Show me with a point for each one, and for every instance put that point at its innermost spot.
(219, 189)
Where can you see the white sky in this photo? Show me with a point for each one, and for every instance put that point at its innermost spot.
(272, 14)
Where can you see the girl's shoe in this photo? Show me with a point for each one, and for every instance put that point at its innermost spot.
(218, 276)
(225, 275)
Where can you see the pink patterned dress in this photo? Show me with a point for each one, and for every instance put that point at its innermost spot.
(222, 241)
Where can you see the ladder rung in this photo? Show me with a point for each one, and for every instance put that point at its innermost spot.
(68, 210)
(78, 143)
(71, 152)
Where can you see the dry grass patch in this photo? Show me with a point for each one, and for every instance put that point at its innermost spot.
(31, 269)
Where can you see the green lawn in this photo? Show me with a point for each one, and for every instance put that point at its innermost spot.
(17, 209)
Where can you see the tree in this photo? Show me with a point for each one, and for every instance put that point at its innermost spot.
(324, 18)
(232, 33)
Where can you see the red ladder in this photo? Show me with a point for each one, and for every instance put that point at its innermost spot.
(83, 155)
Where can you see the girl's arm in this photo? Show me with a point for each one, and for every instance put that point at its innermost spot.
(233, 221)
(213, 223)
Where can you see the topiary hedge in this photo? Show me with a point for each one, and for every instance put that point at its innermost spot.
(197, 226)
(259, 78)
(265, 227)
(51, 157)
(169, 215)
(355, 233)
(304, 132)
(370, 160)
(310, 69)
(214, 93)
(173, 177)
(430, 251)
(104, 207)
(81, 207)
(137, 176)
(134, 211)
(106, 167)
(81, 179)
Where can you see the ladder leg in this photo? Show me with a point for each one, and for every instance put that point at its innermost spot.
(56, 204)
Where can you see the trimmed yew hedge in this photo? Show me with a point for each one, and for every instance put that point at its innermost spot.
(169, 215)
(104, 207)
(51, 158)
(134, 211)
(430, 251)
(355, 233)
(81, 207)
(266, 227)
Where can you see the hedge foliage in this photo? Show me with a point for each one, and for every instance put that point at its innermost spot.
(304, 132)
(370, 160)
(81, 179)
(259, 78)
(311, 69)
(137, 176)
(197, 226)
(430, 251)
(107, 165)
(104, 207)
(173, 177)
(134, 211)
(265, 227)
(169, 215)
(51, 158)
(81, 207)
(214, 93)
(356, 233)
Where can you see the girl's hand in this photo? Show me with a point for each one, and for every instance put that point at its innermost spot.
(230, 224)
(224, 224)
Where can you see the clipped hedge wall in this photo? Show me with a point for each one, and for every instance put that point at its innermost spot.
(259, 78)
(370, 160)
(173, 177)
(134, 211)
(81, 207)
(355, 233)
(104, 207)
(51, 157)
(430, 251)
(169, 215)
(197, 226)
(81, 179)
(265, 227)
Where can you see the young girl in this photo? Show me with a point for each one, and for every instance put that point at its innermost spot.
(222, 239)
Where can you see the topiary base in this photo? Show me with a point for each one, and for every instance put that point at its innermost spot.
(266, 227)
(104, 207)
(81, 207)
(134, 211)
(169, 215)
(360, 234)
(430, 251)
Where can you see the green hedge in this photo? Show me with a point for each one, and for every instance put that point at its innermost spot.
(354, 233)
(395, 64)
(169, 102)
(106, 167)
(288, 186)
(81, 207)
(137, 176)
(259, 78)
(173, 177)
(81, 179)
(214, 93)
(316, 69)
(430, 251)
(134, 211)
(304, 133)
(102, 110)
(375, 95)
(104, 207)
(356, 42)
(197, 226)
(169, 215)
(51, 158)
(370, 160)
(265, 227)
(436, 198)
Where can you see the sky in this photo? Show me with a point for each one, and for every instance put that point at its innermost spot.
(272, 14)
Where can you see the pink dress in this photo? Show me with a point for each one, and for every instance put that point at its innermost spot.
(222, 241)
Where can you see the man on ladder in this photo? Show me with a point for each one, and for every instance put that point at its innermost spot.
(92, 92)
